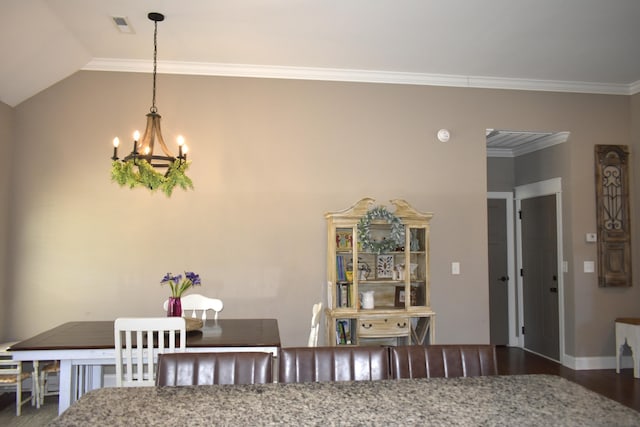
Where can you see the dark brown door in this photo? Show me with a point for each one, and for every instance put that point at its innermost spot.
(540, 275)
(498, 272)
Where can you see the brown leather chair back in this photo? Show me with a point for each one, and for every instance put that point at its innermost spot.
(465, 360)
(311, 364)
(180, 369)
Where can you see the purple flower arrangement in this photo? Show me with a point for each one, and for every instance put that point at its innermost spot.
(178, 284)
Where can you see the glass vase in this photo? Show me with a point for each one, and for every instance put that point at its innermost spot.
(174, 309)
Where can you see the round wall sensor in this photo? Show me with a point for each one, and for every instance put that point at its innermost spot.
(443, 135)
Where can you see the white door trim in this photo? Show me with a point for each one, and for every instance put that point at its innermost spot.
(537, 189)
(511, 264)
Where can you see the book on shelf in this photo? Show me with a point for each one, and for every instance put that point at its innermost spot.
(341, 336)
(341, 268)
(343, 294)
(343, 331)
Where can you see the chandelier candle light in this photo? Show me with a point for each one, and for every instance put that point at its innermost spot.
(139, 167)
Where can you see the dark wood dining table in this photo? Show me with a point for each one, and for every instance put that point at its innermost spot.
(83, 348)
(519, 400)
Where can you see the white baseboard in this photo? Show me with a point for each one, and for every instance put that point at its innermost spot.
(588, 363)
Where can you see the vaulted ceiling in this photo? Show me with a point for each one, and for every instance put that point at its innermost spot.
(569, 45)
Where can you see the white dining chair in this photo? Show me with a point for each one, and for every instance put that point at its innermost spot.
(316, 311)
(198, 304)
(43, 374)
(138, 341)
(12, 379)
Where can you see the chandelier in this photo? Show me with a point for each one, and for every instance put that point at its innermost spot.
(143, 167)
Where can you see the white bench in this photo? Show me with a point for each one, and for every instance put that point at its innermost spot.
(628, 331)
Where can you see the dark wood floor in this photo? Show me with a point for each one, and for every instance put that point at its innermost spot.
(622, 387)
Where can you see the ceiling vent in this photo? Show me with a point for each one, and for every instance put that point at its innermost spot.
(122, 24)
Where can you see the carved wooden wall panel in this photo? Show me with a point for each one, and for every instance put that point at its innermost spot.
(613, 215)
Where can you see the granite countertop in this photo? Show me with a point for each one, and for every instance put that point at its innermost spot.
(519, 400)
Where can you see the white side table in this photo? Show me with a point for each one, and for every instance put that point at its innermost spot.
(628, 330)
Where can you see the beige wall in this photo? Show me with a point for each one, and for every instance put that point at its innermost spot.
(270, 158)
(6, 144)
(500, 174)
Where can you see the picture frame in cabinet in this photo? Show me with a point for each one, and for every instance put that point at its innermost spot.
(384, 267)
(401, 297)
(344, 240)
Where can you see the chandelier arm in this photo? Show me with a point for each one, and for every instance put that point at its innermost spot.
(163, 146)
(148, 136)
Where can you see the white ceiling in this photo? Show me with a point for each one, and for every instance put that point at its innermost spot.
(566, 45)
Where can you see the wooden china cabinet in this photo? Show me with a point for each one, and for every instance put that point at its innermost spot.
(378, 280)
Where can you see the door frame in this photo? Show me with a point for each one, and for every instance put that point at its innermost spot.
(511, 264)
(543, 188)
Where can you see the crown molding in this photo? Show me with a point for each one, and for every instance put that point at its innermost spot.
(550, 85)
(546, 142)
(499, 152)
(363, 76)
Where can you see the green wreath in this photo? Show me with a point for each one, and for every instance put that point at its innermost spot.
(144, 175)
(396, 236)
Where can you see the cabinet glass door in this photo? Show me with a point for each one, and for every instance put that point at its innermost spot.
(417, 270)
(345, 293)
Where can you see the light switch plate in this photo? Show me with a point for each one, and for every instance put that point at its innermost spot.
(455, 268)
(591, 237)
(589, 267)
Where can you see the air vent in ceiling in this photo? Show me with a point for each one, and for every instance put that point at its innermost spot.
(122, 24)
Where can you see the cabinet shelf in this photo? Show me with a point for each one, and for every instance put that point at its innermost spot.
(380, 281)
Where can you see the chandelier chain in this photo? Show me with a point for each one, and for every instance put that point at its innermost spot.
(153, 108)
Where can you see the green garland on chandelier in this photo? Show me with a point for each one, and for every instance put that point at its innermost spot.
(141, 173)
(396, 235)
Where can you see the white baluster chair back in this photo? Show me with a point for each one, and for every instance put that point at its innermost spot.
(138, 341)
(315, 324)
(194, 304)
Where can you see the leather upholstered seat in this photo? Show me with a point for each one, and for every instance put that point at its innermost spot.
(464, 360)
(311, 364)
(181, 369)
